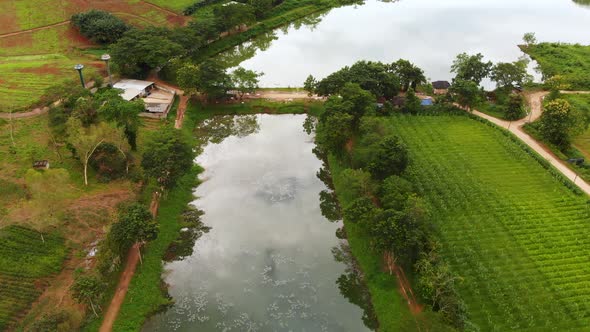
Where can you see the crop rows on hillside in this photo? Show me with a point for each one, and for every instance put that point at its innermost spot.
(517, 236)
(25, 258)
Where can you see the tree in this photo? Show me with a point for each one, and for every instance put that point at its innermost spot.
(232, 15)
(560, 122)
(261, 7)
(467, 93)
(85, 109)
(245, 81)
(510, 75)
(99, 26)
(334, 131)
(310, 85)
(412, 104)
(206, 27)
(140, 51)
(88, 289)
(515, 109)
(187, 77)
(86, 140)
(374, 77)
(529, 39)
(409, 74)
(167, 156)
(125, 114)
(212, 80)
(394, 192)
(136, 225)
(471, 68)
(390, 158)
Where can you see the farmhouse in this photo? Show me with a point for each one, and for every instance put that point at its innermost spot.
(441, 87)
(157, 99)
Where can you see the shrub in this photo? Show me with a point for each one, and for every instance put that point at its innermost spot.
(99, 26)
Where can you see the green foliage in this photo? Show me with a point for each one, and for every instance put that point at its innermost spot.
(412, 104)
(334, 132)
(394, 192)
(167, 156)
(570, 61)
(244, 80)
(50, 322)
(467, 93)
(135, 224)
(374, 77)
(139, 51)
(559, 123)
(25, 257)
(108, 162)
(233, 14)
(410, 76)
(510, 75)
(310, 85)
(389, 158)
(261, 7)
(529, 38)
(88, 289)
(361, 209)
(99, 26)
(471, 68)
(516, 108)
(125, 114)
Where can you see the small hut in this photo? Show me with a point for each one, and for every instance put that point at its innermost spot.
(41, 164)
(440, 87)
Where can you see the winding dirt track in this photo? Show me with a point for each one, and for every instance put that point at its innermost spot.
(16, 33)
(535, 101)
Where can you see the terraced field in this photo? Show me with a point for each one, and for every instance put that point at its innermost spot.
(24, 259)
(518, 237)
(24, 79)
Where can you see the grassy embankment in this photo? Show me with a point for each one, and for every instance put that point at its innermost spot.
(515, 234)
(571, 62)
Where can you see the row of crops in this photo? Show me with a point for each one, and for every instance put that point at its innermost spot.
(25, 257)
(518, 237)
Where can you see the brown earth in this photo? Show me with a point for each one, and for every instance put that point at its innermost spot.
(43, 70)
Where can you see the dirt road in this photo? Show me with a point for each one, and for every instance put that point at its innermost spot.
(535, 101)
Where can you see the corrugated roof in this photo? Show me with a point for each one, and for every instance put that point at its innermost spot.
(132, 84)
(129, 94)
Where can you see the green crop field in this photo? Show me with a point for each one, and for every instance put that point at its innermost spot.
(28, 77)
(518, 237)
(581, 103)
(24, 259)
(572, 62)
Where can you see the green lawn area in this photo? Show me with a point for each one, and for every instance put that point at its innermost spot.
(570, 61)
(176, 5)
(24, 259)
(517, 236)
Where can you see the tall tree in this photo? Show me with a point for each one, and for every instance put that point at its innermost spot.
(140, 51)
(471, 68)
(467, 93)
(310, 85)
(233, 14)
(409, 74)
(212, 80)
(85, 140)
(167, 156)
(245, 81)
(136, 225)
(509, 75)
(261, 7)
(125, 114)
(529, 38)
(99, 26)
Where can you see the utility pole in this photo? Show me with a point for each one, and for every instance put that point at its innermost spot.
(106, 58)
(79, 68)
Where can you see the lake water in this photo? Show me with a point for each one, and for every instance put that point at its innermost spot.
(429, 33)
(268, 262)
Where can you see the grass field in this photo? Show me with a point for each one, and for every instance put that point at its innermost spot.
(581, 103)
(24, 259)
(517, 236)
(570, 61)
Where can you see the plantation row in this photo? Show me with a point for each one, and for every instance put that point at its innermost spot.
(518, 237)
(25, 256)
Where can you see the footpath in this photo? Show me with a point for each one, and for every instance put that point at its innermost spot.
(516, 127)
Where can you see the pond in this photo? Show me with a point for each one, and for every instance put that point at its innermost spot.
(270, 261)
(429, 33)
